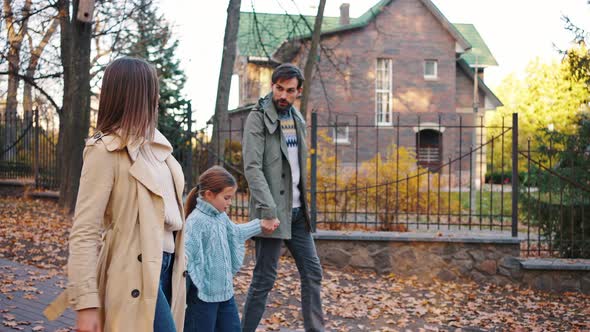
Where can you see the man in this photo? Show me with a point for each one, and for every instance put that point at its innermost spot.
(275, 155)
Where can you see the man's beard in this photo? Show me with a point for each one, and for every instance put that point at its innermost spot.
(284, 108)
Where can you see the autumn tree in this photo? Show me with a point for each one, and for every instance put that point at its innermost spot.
(547, 97)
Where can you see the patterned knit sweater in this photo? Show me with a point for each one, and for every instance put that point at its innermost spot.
(290, 134)
(215, 250)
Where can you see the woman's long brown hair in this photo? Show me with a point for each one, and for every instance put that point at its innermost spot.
(215, 179)
(129, 99)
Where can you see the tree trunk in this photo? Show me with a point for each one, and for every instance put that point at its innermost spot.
(15, 38)
(74, 122)
(30, 73)
(33, 63)
(311, 58)
(223, 86)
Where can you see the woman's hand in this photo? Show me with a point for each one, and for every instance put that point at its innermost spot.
(269, 225)
(88, 320)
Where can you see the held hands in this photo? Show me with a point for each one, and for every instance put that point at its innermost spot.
(88, 320)
(269, 225)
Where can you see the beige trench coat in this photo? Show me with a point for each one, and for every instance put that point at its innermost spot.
(120, 206)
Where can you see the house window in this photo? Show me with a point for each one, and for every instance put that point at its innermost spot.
(341, 133)
(430, 69)
(264, 78)
(383, 92)
(429, 143)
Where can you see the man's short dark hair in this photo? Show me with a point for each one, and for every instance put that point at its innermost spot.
(287, 71)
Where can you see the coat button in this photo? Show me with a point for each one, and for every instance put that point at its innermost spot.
(135, 293)
(283, 175)
(282, 192)
(139, 257)
(184, 273)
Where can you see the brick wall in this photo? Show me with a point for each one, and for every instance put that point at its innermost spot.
(343, 89)
(407, 33)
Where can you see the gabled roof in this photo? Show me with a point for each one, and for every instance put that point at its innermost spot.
(464, 66)
(479, 48)
(263, 39)
(461, 40)
(374, 11)
(355, 23)
(260, 34)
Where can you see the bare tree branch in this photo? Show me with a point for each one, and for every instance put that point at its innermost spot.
(34, 84)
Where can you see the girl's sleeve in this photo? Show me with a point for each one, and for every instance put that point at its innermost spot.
(248, 230)
(237, 235)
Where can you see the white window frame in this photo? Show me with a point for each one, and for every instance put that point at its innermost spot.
(389, 93)
(431, 77)
(341, 140)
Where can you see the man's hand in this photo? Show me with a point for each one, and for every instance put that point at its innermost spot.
(269, 225)
(88, 320)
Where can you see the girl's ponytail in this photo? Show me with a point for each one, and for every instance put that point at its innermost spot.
(191, 201)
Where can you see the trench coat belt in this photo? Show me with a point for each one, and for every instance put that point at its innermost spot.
(57, 307)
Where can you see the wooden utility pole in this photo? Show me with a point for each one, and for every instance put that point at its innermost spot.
(312, 57)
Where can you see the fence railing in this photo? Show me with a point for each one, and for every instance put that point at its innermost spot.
(381, 179)
(555, 199)
(421, 173)
(28, 148)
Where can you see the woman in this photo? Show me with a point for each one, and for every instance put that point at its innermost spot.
(129, 201)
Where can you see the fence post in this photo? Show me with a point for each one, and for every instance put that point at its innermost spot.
(314, 167)
(36, 147)
(515, 174)
(189, 134)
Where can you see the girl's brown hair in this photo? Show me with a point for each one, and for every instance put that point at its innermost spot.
(129, 99)
(215, 179)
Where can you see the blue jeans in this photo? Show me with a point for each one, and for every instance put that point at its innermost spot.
(163, 320)
(303, 250)
(204, 316)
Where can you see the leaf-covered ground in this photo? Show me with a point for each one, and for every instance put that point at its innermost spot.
(34, 232)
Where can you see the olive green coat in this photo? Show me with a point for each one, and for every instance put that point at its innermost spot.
(267, 168)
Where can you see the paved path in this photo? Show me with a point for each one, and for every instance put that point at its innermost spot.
(24, 293)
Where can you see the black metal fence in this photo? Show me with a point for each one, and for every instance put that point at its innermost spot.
(379, 179)
(28, 148)
(555, 200)
(199, 154)
(424, 172)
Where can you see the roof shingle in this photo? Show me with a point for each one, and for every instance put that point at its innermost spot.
(261, 34)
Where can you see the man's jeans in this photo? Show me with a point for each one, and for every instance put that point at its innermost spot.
(303, 250)
(163, 321)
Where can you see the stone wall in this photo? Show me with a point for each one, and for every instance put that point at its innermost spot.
(447, 257)
(25, 188)
(11, 188)
(561, 275)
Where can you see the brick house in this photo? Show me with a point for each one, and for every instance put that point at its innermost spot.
(401, 72)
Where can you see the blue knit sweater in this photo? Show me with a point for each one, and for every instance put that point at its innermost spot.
(215, 249)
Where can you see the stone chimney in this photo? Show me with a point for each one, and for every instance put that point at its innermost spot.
(344, 14)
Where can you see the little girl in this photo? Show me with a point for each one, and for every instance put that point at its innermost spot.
(215, 250)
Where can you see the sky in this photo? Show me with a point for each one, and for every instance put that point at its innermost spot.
(516, 32)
